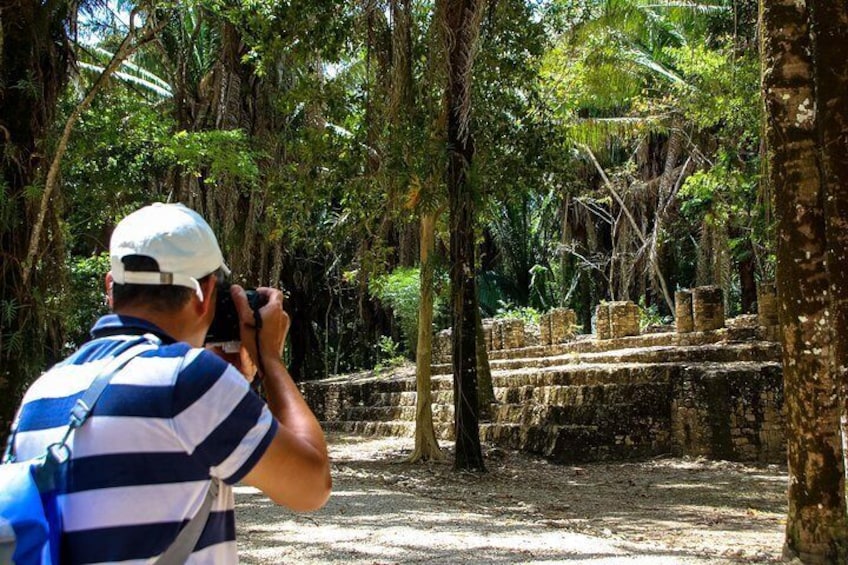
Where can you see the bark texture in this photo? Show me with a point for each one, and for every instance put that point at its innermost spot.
(816, 522)
(34, 62)
(460, 24)
(830, 27)
(426, 445)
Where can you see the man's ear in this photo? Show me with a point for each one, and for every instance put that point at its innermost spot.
(110, 282)
(208, 288)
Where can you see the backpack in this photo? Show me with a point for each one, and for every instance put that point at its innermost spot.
(30, 519)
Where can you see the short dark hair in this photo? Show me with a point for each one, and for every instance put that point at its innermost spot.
(161, 298)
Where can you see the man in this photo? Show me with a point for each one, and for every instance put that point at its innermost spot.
(178, 416)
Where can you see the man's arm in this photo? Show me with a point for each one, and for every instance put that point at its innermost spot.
(295, 469)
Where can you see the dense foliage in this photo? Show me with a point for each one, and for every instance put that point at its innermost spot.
(617, 155)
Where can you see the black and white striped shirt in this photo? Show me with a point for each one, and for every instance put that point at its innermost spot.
(141, 465)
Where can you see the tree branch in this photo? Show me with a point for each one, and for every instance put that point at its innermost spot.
(126, 48)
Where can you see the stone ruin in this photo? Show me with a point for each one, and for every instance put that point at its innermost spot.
(700, 309)
(557, 326)
(767, 311)
(713, 388)
(617, 319)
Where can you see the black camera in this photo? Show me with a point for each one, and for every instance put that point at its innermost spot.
(225, 324)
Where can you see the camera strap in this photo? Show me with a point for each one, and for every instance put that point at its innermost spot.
(257, 323)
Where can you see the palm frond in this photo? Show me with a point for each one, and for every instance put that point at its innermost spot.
(596, 132)
(697, 7)
(138, 70)
(159, 90)
(644, 59)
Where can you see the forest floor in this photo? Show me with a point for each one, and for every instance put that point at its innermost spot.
(523, 510)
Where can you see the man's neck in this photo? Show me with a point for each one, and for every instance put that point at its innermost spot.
(180, 324)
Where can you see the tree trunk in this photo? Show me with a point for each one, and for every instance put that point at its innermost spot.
(426, 445)
(34, 62)
(816, 524)
(460, 27)
(830, 27)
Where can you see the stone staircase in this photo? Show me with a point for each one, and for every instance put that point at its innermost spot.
(714, 393)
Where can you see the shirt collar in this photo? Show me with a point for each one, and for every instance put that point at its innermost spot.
(117, 324)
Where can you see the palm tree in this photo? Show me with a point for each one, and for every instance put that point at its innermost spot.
(613, 55)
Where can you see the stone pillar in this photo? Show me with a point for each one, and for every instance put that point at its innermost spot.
(602, 321)
(442, 346)
(512, 332)
(488, 329)
(683, 311)
(708, 308)
(767, 310)
(545, 321)
(497, 335)
(624, 319)
(562, 321)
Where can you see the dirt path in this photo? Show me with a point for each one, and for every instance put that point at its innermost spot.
(524, 510)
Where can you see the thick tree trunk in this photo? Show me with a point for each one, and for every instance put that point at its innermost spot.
(34, 60)
(816, 524)
(830, 27)
(461, 28)
(426, 445)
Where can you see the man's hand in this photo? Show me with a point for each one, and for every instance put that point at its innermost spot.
(240, 359)
(274, 329)
(295, 469)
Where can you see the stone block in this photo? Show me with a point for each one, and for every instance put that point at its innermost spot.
(557, 326)
(707, 308)
(511, 333)
(545, 329)
(683, 311)
(767, 304)
(442, 346)
(563, 321)
(531, 335)
(624, 319)
(767, 312)
(488, 333)
(602, 321)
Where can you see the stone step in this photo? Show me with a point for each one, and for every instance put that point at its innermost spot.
(586, 405)
(579, 443)
(589, 343)
(548, 385)
(718, 353)
(442, 413)
(576, 395)
(384, 429)
(541, 405)
(728, 411)
(584, 374)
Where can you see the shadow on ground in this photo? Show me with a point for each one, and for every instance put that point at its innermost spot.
(523, 510)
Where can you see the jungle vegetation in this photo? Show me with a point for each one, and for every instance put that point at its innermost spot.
(402, 166)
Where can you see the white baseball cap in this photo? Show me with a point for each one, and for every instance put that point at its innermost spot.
(176, 237)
